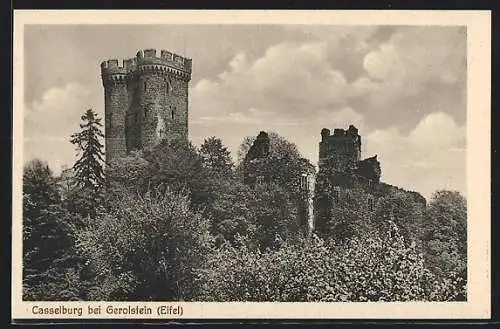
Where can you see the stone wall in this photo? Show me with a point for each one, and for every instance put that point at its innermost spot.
(146, 100)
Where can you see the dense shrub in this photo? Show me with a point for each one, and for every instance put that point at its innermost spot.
(369, 269)
(445, 235)
(145, 247)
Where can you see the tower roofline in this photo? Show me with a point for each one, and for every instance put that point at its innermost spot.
(149, 58)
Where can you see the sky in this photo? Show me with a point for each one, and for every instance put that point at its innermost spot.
(404, 87)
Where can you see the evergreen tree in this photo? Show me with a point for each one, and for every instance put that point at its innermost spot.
(89, 172)
(48, 262)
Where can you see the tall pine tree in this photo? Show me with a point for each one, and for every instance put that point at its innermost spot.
(89, 171)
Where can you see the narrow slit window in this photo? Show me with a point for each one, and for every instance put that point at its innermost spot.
(371, 204)
(303, 182)
(145, 86)
(172, 114)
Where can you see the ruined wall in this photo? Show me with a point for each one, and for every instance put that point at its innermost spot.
(260, 169)
(151, 102)
(340, 151)
(345, 184)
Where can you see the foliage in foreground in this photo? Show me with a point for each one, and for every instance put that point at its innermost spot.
(49, 262)
(370, 269)
(145, 247)
(151, 236)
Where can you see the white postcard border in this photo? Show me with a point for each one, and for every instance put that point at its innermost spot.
(478, 164)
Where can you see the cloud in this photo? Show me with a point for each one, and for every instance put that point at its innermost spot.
(431, 157)
(403, 87)
(393, 76)
(290, 82)
(50, 120)
(419, 70)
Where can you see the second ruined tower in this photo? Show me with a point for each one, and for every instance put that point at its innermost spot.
(145, 100)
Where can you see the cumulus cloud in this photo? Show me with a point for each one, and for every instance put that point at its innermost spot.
(289, 82)
(403, 87)
(50, 120)
(431, 157)
(419, 70)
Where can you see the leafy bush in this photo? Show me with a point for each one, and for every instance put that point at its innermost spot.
(446, 234)
(145, 247)
(368, 269)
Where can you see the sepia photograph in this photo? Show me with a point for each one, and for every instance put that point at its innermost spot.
(324, 162)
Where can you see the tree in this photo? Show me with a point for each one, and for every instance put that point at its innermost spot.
(348, 216)
(145, 247)
(89, 172)
(367, 268)
(279, 147)
(216, 158)
(48, 259)
(275, 215)
(284, 164)
(176, 164)
(446, 233)
(231, 213)
(404, 211)
(65, 182)
(129, 174)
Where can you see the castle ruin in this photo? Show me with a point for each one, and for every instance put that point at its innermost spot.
(145, 100)
(343, 176)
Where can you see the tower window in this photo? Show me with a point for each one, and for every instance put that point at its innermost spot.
(260, 180)
(172, 114)
(168, 85)
(371, 203)
(303, 182)
(145, 85)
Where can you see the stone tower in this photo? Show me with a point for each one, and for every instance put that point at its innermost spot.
(145, 100)
(341, 151)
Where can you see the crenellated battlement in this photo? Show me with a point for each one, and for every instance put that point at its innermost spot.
(340, 150)
(147, 61)
(352, 131)
(167, 58)
(112, 66)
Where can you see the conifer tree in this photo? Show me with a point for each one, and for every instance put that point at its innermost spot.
(48, 259)
(89, 172)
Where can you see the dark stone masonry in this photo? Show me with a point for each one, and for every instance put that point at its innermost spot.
(145, 99)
